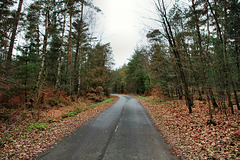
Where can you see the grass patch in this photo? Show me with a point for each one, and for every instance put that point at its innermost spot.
(143, 98)
(75, 112)
(38, 126)
(107, 101)
(69, 114)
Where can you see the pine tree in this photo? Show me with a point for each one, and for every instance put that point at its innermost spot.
(13, 34)
(6, 24)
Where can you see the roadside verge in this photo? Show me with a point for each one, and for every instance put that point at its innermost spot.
(190, 135)
(26, 140)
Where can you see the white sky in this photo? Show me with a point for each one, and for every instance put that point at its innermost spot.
(122, 24)
(125, 23)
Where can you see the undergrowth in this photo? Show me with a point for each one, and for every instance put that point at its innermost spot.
(79, 110)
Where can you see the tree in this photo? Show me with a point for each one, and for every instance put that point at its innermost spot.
(44, 49)
(14, 32)
(6, 20)
(96, 68)
(201, 51)
(233, 31)
(136, 76)
(48, 58)
(220, 12)
(173, 50)
(162, 67)
(118, 80)
(61, 55)
(79, 28)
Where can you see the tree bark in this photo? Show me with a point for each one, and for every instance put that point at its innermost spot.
(79, 76)
(14, 32)
(236, 98)
(226, 70)
(60, 58)
(237, 62)
(44, 50)
(80, 24)
(69, 70)
(5, 46)
(216, 20)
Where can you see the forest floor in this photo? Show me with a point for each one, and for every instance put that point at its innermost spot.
(28, 132)
(190, 135)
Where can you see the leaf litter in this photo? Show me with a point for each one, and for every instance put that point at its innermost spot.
(24, 138)
(189, 134)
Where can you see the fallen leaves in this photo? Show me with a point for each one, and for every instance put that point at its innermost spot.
(189, 134)
(26, 138)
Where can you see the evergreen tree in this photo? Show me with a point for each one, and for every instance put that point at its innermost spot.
(136, 77)
(6, 24)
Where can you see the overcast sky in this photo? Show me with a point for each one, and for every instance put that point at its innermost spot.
(123, 24)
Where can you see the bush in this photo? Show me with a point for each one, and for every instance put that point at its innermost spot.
(99, 90)
(96, 94)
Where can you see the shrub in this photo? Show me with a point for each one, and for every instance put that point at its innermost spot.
(96, 94)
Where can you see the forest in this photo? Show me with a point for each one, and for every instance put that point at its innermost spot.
(50, 58)
(57, 52)
(194, 54)
(52, 68)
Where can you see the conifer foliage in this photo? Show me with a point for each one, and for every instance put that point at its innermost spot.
(47, 44)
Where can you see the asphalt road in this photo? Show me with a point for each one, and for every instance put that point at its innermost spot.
(122, 132)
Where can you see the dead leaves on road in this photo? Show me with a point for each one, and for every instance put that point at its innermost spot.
(189, 134)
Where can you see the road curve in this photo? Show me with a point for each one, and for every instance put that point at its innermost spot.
(122, 132)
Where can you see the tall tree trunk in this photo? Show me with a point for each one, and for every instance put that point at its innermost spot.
(26, 77)
(44, 52)
(225, 61)
(38, 37)
(237, 62)
(79, 74)
(173, 46)
(60, 58)
(216, 20)
(42, 86)
(207, 89)
(14, 32)
(70, 51)
(211, 95)
(80, 23)
(5, 46)
(225, 66)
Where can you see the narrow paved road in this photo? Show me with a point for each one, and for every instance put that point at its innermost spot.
(122, 132)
